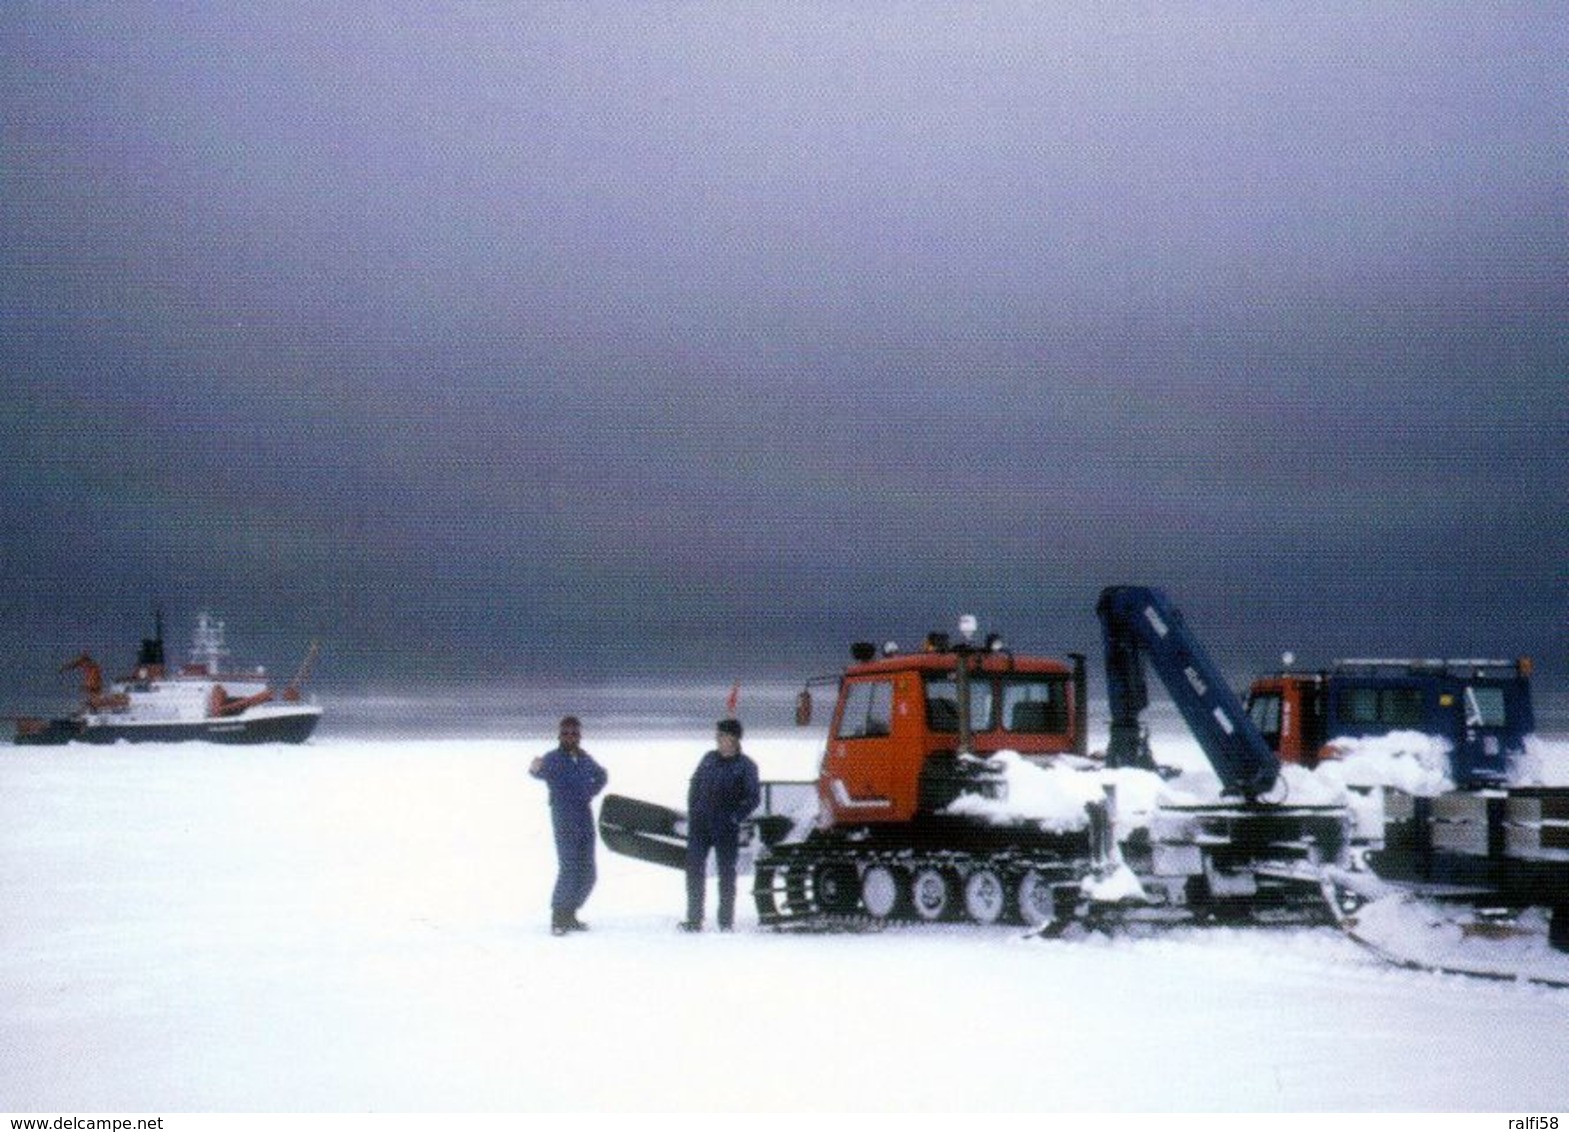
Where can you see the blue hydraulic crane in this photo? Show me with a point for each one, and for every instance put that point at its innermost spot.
(1138, 624)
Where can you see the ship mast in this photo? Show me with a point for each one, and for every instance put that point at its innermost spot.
(207, 651)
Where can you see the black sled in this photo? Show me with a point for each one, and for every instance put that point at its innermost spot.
(644, 830)
(650, 832)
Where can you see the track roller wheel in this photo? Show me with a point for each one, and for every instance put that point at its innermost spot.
(1037, 901)
(932, 893)
(836, 887)
(985, 896)
(883, 892)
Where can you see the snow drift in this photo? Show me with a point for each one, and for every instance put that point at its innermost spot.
(362, 925)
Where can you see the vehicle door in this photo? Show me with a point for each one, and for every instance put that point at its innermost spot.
(1483, 747)
(860, 757)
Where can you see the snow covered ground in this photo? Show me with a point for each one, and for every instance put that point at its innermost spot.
(360, 924)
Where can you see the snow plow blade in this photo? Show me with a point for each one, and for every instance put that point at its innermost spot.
(644, 830)
(1449, 932)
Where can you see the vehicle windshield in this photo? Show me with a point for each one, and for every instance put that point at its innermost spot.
(868, 710)
(1028, 705)
(1264, 709)
(942, 704)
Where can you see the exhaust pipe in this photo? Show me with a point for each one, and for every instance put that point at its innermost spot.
(1081, 706)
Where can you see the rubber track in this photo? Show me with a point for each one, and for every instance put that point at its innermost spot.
(791, 904)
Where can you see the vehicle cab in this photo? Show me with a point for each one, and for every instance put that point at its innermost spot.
(902, 725)
(1288, 711)
(1481, 708)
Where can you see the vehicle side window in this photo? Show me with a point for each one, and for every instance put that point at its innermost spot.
(1392, 707)
(1359, 705)
(868, 710)
(1484, 707)
(1034, 707)
(1401, 707)
(981, 705)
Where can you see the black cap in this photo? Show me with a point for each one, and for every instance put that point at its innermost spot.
(730, 727)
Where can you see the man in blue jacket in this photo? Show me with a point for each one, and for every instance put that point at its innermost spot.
(723, 794)
(574, 778)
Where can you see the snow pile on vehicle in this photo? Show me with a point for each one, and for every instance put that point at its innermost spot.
(1302, 787)
(1406, 760)
(1542, 763)
(1054, 796)
(1119, 886)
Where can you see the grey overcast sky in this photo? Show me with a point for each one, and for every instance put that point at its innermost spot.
(510, 339)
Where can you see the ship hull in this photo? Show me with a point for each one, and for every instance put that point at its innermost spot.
(47, 733)
(272, 728)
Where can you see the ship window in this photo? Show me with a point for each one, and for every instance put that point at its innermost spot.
(1035, 706)
(1484, 707)
(868, 710)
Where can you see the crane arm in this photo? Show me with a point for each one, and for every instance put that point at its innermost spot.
(291, 693)
(92, 674)
(1140, 624)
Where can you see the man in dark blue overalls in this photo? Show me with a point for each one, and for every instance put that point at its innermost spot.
(723, 794)
(574, 778)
